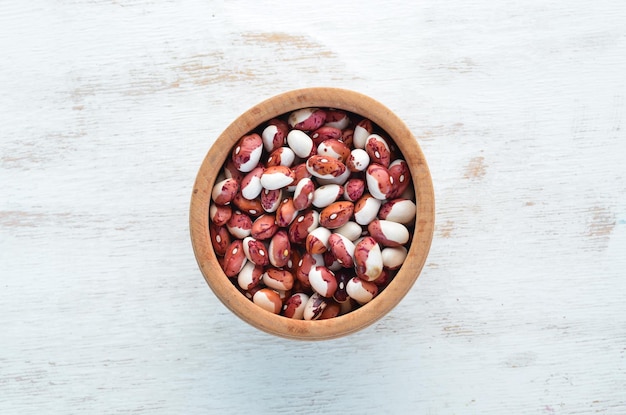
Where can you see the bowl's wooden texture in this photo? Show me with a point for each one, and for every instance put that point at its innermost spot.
(418, 251)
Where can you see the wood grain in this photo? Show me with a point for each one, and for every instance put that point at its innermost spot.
(109, 107)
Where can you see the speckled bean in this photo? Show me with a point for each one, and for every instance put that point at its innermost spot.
(239, 225)
(255, 251)
(278, 279)
(234, 258)
(398, 210)
(361, 291)
(314, 307)
(294, 306)
(247, 152)
(268, 299)
(307, 119)
(342, 248)
(282, 156)
(323, 281)
(264, 227)
(336, 214)
(277, 177)
(279, 249)
(251, 184)
(317, 240)
(361, 131)
(224, 191)
(388, 233)
(219, 215)
(275, 134)
(368, 260)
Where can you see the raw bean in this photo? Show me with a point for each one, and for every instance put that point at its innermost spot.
(277, 177)
(220, 238)
(353, 189)
(247, 152)
(347, 136)
(398, 210)
(362, 130)
(337, 118)
(234, 258)
(303, 194)
(239, 225)
(325, 195)
(388, 233)
(332, 310)
(249, 276)
(379, 181)
(317, 241)
(280, 249)
(378, 150)
(325, 133)
(393, 257)
(300, 172)
(270, 199)
(303, 225)
(264, 227)
(275, 134)
(224, 191)
(350, 230)
(268, 300)
(314, 307)
(362, 291)
(251, 184)
(366, 209)
(251, 207)
(323, 281)
(325, 167)
(219, 215)
(384, 279)
(330, 261)
(401, 175)
(294, 306)
(231, 172)
(282, 156)
(343, 276)
(249, 294)
(336, 214)
(343, 249)
(293, 261)
(368, 260)
(335, 149)
(286, 213)
(304, 268)
(358, 160)
(278, 279)
(255, 251)
(301, 144)
(307, 119)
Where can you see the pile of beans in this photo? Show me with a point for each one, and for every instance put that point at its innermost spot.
(312, 214)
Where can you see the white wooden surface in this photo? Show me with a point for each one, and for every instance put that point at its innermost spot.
(108, 108)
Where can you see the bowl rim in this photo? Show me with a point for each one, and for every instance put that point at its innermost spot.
(323, 97)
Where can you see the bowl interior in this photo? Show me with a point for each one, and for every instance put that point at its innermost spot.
(278, 105)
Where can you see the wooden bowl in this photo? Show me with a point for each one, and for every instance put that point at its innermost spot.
(355, 320)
